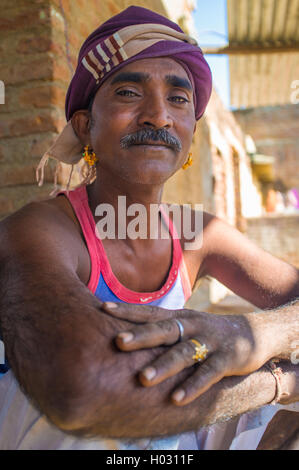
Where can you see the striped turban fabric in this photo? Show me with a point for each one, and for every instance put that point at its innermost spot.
(136, 33)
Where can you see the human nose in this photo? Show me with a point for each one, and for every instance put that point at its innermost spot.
(155, 113)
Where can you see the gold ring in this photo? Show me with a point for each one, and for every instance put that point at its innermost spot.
(201, 351)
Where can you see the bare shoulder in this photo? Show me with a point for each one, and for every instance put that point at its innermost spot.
(62, 205)
(50, 214)
(42, 230)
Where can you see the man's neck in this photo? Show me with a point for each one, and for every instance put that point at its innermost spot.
(121, 195)
(107, 188)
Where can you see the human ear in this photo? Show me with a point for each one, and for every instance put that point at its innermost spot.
(81, 122)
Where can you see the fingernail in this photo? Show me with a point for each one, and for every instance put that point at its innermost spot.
(179, 395)
(126, 337)
(110, 304)
(149, 373)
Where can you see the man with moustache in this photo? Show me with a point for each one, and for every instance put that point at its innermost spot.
(82, 317)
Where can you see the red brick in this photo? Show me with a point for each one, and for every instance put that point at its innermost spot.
(38, 97)
(58, 48)
(37, 69)
(74, 40)
(12, 175)
(81, 4)
(61, 71)
(40, 145)
(67, 8)
(13, 198)
(42, 97)
(11, 100)
(58, 96)
(84, 29)
(28, 125)
(23, 20)
(114, 10)
(57, 23)
(56, 3)
(33, 44)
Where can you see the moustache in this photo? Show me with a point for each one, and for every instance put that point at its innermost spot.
(143, 136)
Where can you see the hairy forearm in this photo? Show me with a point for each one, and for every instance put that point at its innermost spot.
(149, 412)
(129, 410)
(61, 348)
(45, 318)
(277, 330)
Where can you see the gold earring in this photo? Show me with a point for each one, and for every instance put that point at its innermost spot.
(89, 156)
(188, 162)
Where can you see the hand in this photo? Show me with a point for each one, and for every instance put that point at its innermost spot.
(236, 345)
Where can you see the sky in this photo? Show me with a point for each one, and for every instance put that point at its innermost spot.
(211, 24)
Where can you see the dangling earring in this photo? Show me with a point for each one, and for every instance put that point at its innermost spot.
(89, 156)
(188, 162)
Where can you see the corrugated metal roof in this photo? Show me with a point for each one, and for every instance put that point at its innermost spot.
(263, 77)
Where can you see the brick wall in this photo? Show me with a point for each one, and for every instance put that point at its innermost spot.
(39, 43)
(26, 122)
(275, 132)
(278, 235)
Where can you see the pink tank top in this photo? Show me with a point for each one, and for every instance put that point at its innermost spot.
(103, 283)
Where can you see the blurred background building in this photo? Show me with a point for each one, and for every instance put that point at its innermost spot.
(245, 152)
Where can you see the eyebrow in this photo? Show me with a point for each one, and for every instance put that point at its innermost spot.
(136, 77)
(140, 77)
(179, 82)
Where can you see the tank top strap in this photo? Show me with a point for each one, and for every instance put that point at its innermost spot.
(79, 200)
(178, 252)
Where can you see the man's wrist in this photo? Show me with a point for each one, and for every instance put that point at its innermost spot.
(274, 332)
(265, 334)
(282, 392)
(289, 383)
(286, 377)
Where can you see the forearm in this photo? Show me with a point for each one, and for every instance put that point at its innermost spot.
(43, 314)
(277, 330)
(149, 412)
(61, 348)
(124, 408)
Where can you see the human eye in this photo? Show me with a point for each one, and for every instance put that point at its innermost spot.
(179, 99)
(126, 93)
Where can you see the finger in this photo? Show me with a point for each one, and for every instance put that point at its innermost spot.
(149, 335)
(176, 359)
(138, 313)
(207, 374)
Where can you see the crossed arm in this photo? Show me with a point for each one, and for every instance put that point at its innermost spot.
(60, 345)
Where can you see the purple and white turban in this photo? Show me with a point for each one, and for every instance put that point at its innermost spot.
(136, 33)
